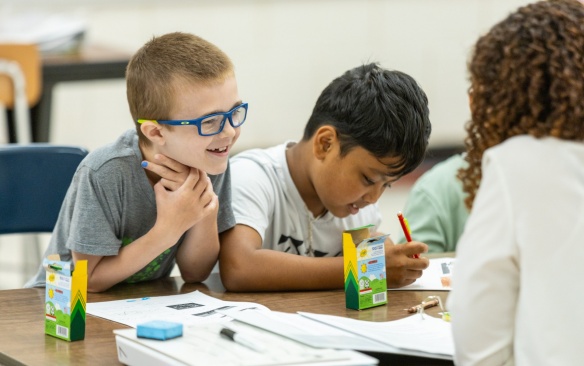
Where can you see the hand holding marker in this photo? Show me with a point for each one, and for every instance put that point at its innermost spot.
(406, 228)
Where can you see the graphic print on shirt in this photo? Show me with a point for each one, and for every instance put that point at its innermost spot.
(149, 270)
(318, 253)
(296, 244)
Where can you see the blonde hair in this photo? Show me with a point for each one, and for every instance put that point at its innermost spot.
(158, 69)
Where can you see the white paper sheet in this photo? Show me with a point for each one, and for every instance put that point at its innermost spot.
(414, 336)
(435, 278)
(191, 308)
(308, 331)
(416, 332)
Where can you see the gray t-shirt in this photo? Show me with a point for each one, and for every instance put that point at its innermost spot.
(111, 203)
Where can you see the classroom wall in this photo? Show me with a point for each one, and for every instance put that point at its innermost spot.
(285, 52)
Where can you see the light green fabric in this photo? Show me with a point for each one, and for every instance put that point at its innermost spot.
(435, 207)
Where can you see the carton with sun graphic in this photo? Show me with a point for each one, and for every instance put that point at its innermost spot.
(65, 296)
(365, 277)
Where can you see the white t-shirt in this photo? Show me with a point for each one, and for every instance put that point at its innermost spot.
(265, 198)
(517, 284)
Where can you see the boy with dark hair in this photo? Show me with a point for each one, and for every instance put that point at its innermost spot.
(292, 202)
(129, 223)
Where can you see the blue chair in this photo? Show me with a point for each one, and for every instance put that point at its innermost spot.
(34, 179)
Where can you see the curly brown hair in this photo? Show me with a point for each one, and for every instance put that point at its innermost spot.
(527, 78)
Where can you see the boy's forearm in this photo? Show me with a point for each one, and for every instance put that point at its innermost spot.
(111, 270)
(199, 250)
(269, 270)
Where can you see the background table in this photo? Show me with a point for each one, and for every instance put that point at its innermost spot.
(23, 342)
(92, 62)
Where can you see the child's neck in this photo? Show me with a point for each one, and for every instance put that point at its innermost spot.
(299, 159)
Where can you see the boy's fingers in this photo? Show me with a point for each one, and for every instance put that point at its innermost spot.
(159, 189)
(169, 184)
(169, 163)
(156, 168)
(164, 166)
(204, 179)
(417, 264)
(203, 184)
(192, 178)
(213, 203)
(414, 247)
(208, 196)
(166, 175)
(414, 274)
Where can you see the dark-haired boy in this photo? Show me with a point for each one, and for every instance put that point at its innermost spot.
(292, 202)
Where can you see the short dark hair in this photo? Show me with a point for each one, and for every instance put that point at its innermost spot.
(385, 112)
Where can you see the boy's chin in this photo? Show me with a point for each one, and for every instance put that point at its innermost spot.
(216, 170)
(341, 214)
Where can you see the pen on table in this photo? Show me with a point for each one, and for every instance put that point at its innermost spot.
(242, 339)
(406, 229)
(425, 305)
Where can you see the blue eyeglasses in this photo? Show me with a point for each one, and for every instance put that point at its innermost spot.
(211, 124)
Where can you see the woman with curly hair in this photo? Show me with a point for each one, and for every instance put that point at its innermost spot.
(520, 257)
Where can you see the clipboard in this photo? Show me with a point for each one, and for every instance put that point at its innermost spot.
(203, 345)
(416, 335)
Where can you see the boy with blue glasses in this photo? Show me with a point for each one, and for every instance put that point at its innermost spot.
(132, 224)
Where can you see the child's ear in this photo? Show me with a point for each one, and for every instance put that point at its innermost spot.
(325, 140)
(153, 132)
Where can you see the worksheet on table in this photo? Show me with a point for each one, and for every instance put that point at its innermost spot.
(191, 308)
(435, 278)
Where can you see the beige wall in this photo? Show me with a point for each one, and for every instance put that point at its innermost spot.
(285, 52)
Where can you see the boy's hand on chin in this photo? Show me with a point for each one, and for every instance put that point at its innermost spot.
(172, 173)
(183, 208)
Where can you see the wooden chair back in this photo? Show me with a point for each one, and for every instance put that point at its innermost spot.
(29, 59)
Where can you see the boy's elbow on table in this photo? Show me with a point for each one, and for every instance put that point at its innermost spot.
(95, 286)
(190, 277)
(233, 278)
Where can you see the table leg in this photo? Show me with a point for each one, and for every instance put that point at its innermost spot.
(40, 115)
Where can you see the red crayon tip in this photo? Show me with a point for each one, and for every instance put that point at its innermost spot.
(406, 229)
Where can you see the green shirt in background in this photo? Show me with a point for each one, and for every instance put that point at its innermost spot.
(435, 207)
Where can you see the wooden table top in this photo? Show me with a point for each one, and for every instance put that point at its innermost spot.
(23, 342)
(87, 53)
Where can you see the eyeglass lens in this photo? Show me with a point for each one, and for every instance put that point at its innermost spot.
(214, 124)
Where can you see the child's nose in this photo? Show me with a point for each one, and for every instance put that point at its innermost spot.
(228, 130)
(374, 193)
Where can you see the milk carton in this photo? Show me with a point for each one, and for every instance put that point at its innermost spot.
(65, 297)
(364, 263)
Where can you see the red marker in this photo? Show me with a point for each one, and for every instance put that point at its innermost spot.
(406, 228)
